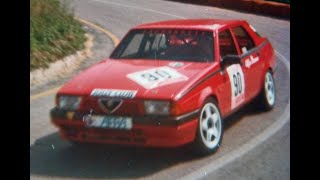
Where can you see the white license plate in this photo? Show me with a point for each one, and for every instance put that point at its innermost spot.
(111, 122)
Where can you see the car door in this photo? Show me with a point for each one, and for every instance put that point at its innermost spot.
(234, 76)
(249, 58)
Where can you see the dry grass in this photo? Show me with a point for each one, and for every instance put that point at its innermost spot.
(54, 33)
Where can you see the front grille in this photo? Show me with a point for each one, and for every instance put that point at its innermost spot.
(129, 107)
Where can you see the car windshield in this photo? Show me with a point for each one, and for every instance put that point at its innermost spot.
(166, 44)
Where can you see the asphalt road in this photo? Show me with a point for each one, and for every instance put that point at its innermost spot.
(255, 145)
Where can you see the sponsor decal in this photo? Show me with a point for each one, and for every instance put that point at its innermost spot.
(129, 94)
(250, 61)
(156, 77)
(237, 85)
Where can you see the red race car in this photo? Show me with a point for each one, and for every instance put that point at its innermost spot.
(168, 84)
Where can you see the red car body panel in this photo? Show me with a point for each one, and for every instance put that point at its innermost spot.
(96, 78)
(202, 80)
(140, 135)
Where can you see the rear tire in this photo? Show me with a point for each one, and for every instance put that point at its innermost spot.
(209, 130)
(267, 97)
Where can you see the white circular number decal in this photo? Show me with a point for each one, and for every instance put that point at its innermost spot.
(237, 85)
(155, 77)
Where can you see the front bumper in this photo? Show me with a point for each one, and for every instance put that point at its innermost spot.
(155, 131)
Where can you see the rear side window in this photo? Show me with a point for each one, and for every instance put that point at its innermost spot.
(226, 44)
(244, 40)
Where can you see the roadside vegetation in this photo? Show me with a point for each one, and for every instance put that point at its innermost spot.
(54, 33)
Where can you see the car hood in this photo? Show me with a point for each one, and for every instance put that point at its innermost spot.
(149, 79)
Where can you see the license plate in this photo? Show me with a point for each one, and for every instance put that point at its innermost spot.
(110, 122)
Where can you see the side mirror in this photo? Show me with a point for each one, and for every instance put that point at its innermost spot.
(230, 59)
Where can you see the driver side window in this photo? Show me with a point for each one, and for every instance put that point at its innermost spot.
(226, 44)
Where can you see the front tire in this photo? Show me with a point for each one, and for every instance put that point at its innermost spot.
(209, 129)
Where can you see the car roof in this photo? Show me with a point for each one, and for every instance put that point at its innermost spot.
(203, 24)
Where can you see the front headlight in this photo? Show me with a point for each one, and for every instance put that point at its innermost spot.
(69, 102)
(157, 107)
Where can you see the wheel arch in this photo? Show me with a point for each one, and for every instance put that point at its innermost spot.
(268, 69)
(206, 93)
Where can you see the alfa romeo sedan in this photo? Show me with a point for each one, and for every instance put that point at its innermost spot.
(168, 84)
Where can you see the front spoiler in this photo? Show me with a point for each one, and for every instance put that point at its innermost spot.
(57, 113)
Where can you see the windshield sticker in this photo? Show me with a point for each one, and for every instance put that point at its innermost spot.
(176, 64)
(114, 93)
(156, 77)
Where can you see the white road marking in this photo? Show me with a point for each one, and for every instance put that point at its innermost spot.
(140, 8)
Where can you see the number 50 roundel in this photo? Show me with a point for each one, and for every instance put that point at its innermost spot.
(237, 85)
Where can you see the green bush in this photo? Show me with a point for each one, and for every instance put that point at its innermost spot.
(54, 33)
